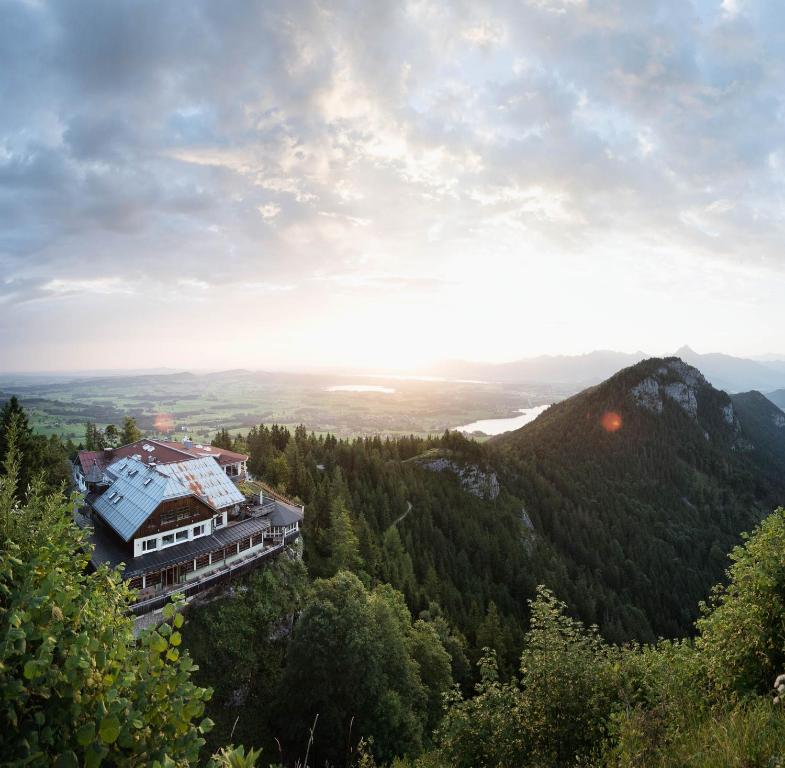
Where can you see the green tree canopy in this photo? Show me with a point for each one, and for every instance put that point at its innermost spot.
(130, 432)
(354, 660)
(742, 630)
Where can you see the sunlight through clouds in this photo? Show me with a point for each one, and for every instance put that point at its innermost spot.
(489, 169)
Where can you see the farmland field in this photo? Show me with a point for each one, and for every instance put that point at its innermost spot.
(199, 404)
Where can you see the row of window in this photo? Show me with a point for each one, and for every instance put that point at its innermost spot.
(177, 515)
(177, 537)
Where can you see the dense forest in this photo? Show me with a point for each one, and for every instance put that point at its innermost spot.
(441, 606)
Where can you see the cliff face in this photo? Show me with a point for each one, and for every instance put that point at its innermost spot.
(484, 485)
(676, 382)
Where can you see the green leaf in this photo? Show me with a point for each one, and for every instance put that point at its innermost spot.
(179, 620)
(110, 729)
(157, 643)
(31, 669)
(168, 611)
(175, 639)
(85, 734)
(94, 755)
(67, 760)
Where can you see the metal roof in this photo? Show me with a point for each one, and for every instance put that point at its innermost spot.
(158, 452)
(285, 514)
(134, 495)
(199, 451)
(205, 479)
(138, 489)
(94, 473)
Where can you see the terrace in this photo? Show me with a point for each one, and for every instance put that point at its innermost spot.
(258, 532)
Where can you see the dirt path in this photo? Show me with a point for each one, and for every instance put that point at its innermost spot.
(398, 519)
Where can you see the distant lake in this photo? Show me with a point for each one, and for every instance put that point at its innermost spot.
(360, 388)
(497, 426)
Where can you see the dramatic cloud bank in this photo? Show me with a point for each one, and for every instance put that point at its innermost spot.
(203, 184)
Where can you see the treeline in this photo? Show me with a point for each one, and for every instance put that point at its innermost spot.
(47, 458)
(354, 681)
(111, 436)
(372, 508)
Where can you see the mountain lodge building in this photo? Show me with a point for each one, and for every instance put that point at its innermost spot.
(178, 521)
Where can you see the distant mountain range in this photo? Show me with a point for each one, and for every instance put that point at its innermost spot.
(733, 374)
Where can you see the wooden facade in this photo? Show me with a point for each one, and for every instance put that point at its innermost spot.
(171, 514)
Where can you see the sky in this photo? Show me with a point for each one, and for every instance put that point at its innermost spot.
(382, 184)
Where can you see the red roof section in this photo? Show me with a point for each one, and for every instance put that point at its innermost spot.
(198, 451)
(163, 451)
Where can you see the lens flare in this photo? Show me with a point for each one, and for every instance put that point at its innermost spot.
(164, 422)
(611, 421)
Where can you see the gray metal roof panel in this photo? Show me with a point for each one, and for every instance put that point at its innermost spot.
(285, 514)
(134, 495)
(139, 488)
(206, 479)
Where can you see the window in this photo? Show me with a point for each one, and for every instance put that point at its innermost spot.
(218, 521)
(183, 514)
(167, 540)
(149, 545)
(198, 530)
(148, 481)
(181, 536)
(168, 517)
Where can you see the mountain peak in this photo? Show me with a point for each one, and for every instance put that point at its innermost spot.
(672, 379)
(685, 351)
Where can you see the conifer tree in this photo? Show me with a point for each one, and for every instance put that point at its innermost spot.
(130, 432)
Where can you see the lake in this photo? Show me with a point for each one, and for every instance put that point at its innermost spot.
(497, 426)
(360, 388)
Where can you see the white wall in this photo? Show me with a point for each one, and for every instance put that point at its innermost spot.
(208, 529)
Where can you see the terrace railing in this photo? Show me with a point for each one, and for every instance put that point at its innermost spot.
(190, 588)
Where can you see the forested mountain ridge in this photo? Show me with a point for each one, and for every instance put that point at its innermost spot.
(641, 485)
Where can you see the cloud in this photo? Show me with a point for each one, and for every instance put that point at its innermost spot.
(184, 145)
(105, 286)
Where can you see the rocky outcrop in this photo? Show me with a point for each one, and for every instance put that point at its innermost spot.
(484, 485)
(779, 420)
(651, 391)
(647, 395)
(684, 396)
(680, 383)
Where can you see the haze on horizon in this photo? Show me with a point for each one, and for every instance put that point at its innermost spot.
(300, 184)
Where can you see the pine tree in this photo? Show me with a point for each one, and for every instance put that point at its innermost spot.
(343, 542)
(130, 432)
(111, 436)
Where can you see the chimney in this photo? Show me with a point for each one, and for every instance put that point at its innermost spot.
(187, 442)
(261, 498)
